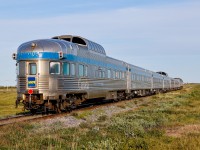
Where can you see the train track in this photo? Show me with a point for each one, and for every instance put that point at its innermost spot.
(21, 118)
(30, 117)
(86, 106)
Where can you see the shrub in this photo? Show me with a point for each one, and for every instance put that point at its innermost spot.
(102, 118)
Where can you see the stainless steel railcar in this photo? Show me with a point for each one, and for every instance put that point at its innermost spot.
(67, 70)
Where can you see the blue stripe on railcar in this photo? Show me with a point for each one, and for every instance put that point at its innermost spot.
(70, 57)
(37, 55)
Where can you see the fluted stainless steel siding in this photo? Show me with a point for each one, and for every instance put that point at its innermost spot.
(43, 82)
(21, 84)
(67, 84)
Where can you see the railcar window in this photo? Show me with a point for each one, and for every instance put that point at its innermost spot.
(66, 69)
(109, 73)
(73, 69)
(54, 68)
(123, 75)
(117, 75)
(86, 71)
(32, 69)
(120, 75)
(103, 74)
(113, 74)
(96, 74)
(100, 74)
(135, 77)
(81, 70)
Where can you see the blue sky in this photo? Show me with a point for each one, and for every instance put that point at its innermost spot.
(157, 35)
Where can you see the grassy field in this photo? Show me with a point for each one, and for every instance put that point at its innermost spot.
(169, 121)
(7, 102)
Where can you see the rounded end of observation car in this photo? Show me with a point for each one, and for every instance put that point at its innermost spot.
(44, 45)
(82, 43)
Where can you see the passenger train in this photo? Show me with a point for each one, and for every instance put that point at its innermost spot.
(67, 70)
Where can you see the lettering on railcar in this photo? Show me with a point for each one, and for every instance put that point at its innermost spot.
(83, 84)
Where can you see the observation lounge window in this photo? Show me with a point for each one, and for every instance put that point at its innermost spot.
(54, 68)
(78, 41)
(67, 39)
(32, 69)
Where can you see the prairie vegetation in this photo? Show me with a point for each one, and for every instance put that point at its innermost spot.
(7, 102)
(167, 121)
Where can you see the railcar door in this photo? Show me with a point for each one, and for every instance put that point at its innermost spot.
(128, 79)
(32, 75)
(21, 76)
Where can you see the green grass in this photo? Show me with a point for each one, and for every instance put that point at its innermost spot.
(81, 115)
(7, 103)
(143, 128)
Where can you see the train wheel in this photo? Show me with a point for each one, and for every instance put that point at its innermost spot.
(46, 110)
(68, 109)
(73, 106)
(33, 111)
(17, 103)
(115, 100)
(57, 108)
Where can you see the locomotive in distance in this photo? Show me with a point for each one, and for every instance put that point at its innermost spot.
(67, 70)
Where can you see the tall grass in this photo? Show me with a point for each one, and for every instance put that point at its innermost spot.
(7, 103)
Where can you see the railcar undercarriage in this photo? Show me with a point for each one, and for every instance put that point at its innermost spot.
(35, 102)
